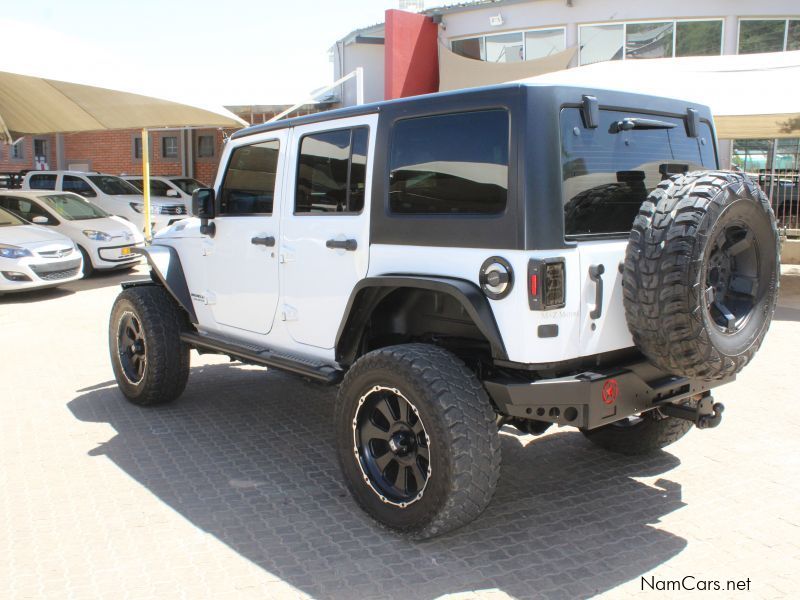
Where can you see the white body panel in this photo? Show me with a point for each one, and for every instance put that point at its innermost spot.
(316, 281)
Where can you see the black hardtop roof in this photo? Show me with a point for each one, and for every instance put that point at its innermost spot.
(618, 98)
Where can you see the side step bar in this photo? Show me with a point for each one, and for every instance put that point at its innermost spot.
(318, 371)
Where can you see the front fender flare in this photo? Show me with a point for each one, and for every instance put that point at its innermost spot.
(166, 269)
(369, 292)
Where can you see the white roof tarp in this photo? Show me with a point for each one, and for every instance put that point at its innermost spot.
(34, 105)
(457, 72)
(750, 96)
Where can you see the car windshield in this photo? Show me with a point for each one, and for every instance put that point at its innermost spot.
(109, 184)
(7, 219)
(72, 207)
(187, 184)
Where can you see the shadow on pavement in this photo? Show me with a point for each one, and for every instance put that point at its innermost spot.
(247, 456)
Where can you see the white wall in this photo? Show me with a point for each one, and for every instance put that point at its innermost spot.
(370, 58)
(543, 13)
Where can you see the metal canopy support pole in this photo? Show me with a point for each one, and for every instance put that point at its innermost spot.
(148, 234)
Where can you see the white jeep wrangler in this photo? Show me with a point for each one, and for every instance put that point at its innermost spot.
(515, 255)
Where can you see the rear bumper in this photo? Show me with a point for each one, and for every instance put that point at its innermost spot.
(595, 398)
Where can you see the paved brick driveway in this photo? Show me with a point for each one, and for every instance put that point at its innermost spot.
(233, 491)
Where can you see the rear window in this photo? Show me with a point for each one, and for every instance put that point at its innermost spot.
(450, 164)
(42, 182)
(608, 175)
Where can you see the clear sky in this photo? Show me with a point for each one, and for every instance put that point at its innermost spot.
(212, 51)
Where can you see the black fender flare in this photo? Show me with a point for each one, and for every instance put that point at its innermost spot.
(369, 292)
(166, 270)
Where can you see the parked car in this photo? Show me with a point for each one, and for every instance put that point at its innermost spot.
(167, 186)
(111, 193)
(32, 256)
(521, 256)
(105, 241)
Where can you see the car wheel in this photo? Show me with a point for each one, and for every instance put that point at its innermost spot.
(150, 362)
(88, 268)
(417, 440)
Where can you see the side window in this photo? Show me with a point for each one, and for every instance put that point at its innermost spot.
(249, 184)
(24, 208)
(331, 172)
(77, 185)
(43, 182)
(450, 164)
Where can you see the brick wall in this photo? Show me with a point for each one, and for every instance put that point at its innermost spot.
(113, 152)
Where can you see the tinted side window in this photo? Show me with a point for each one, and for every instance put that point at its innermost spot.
(22, 207)
(608, 175)
(450, 164)
(77, 185)
(43, 182)
(331, 172)
(249, 184)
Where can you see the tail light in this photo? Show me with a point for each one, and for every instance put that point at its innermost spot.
(546, 283)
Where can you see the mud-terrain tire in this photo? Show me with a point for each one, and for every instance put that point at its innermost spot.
(644, 434)
(701, 274)
(430, 393)
(150, 362)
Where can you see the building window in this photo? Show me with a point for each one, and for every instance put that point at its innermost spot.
(40, 149)
(663, 39)
(169, 146)
(512, 47)
(768, 35)
(18, 149)
(137, 148)
(205, 146)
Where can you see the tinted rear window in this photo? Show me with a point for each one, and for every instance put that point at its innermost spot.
(450, 164)
(42, 182)
(608, 175)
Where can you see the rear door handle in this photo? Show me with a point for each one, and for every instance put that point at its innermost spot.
(596, 275)
(263, 241)
(349, 245)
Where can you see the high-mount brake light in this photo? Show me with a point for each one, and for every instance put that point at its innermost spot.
(547, 289)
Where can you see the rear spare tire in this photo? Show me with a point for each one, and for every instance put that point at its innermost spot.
(701, 274)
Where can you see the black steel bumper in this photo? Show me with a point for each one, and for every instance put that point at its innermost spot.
(595, 398)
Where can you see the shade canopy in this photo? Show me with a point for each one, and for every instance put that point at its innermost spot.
(457, 72)
(750, 96)
(35, 105)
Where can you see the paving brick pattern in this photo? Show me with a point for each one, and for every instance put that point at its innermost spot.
(233, 491)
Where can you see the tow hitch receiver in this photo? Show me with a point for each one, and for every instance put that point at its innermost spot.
(705, 415)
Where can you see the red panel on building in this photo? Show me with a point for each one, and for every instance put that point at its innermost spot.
(411, 55)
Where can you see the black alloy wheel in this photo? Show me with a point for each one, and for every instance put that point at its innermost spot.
(732, 277)
(391, 445)
(131, 348)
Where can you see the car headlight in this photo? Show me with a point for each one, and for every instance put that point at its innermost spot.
(7, 251)
(139, 208)
(97, 236)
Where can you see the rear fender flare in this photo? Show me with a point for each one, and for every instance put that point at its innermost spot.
(369, 293)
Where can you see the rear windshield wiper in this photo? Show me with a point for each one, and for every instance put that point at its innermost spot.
(629, 123)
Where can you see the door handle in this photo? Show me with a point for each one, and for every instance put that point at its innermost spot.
(349, 245)
(596, 275)
(263, 241)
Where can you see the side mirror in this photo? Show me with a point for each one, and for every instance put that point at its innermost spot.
(173, 193)
(203, 201)
(40, 220)
(203, 206)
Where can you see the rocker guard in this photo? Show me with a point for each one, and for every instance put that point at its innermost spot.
(595, 398)
(166, 270)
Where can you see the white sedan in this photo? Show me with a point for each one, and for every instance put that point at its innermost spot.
(34, 257)
(106, 242)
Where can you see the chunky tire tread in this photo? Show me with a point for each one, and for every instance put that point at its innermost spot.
(653, 432)
(466, 424)
(662, 290)
(168, 358)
